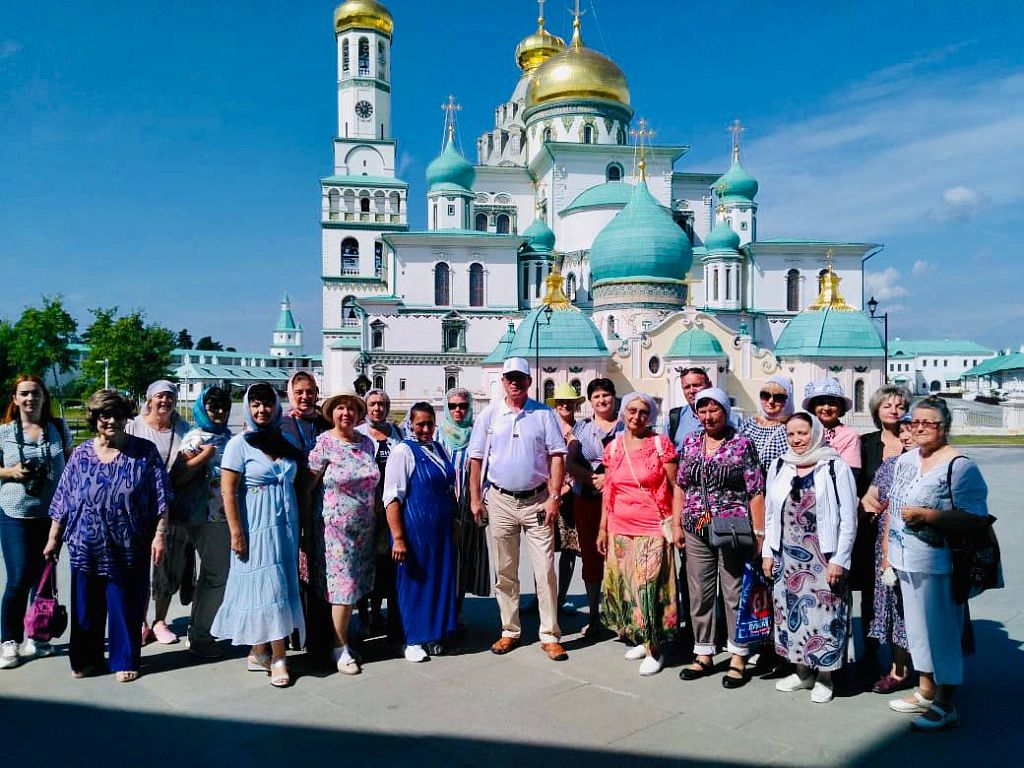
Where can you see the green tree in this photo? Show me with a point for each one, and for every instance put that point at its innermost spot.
(184, 339)
(206, 343)
(7, 370)
(40, 341)
(137, 353)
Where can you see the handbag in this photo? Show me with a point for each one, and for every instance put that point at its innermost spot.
(566, 535)
(754, 619)
(46, 619)
(734, 532)
(977, 562)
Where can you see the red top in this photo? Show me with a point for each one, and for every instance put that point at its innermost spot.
(640, 497)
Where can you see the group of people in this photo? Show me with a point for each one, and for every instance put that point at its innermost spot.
(316, 511)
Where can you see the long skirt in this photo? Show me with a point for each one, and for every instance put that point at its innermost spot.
(639, 589)
(887, 623)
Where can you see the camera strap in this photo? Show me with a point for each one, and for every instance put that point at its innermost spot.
(44, 452)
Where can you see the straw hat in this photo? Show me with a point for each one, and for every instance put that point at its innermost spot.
(565, 392)
(329, 404)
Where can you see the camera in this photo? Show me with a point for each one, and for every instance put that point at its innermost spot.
(36, 472)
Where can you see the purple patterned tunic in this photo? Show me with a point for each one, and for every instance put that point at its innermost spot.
(731, 477)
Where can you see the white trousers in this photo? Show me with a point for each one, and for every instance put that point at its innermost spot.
(934, 625)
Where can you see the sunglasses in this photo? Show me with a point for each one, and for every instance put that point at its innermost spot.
(457, 406)
(774, 397)
(109, 414)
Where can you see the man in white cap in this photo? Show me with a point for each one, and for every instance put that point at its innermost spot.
(517, 463)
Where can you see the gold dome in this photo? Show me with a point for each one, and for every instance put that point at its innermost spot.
(533, 50)
(578, 73)
(362, 14)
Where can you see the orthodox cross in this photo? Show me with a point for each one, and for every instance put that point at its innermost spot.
(642, 135)
(736, 129)
(450, 108)
(689, 282)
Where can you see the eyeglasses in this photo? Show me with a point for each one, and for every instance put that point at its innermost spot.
(923, 424)
(775, 397)
(457, 406)
(111, 415)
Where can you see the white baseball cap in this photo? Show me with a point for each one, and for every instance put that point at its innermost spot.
(516, 365)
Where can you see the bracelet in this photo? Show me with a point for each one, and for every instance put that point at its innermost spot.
(759, 532)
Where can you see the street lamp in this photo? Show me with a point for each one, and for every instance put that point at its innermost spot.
(884, 318)
(106, 373)
(547, 311)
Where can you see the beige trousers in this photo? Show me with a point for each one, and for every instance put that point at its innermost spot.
(509, 518)
(708, 569)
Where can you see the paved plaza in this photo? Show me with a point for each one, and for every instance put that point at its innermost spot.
(476, 709)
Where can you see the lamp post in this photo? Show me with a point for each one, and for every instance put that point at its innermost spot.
(362, 382)
(884, 318)
(106, 373)
(547, 311)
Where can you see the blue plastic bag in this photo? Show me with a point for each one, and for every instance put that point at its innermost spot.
(754, 621)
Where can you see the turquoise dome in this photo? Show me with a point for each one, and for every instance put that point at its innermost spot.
(722, 238)
(450, 168)
(736, 184)
(540, 238)
(569, 334)
(500, 351)
(642, 243)
(695, 342)
(609, 194)
(830, 332)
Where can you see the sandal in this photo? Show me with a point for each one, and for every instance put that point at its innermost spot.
(279, 677)
(689, 673)
(127, 675)
(258, 662)
(90, 671)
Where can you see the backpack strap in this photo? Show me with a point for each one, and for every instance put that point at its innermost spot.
(673, 422)
(832, 474)
(659, 447)
(949, 477)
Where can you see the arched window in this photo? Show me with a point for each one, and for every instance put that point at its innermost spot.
(396, 203)
(378, 381)
(382, 62)
(348, 312)
(549, 389)
(858, 396)
(613, 172)
(611, 326)
(442, 283)
(480, 222)
(538, 274)
(451, 338)
(570, 286)
(364, 57)
(728, 283)
(502, 224)
(547, 134)
(378, 258)
(364, 204)
(377, 338)
(715, 283)
(344, 57)
(620, 137)
(334, 203)
(350, 256)
(526, 283)
(935, 386)
(575, 384)
(793, 290)
(476, 285)
(588, 134)
(451, 381)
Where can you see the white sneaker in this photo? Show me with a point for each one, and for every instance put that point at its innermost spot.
(9, 655)
(36, 649)
(794, 683)
(821, 693)
(651, 665)
(415, 654)
(636, 653)
(345, 662)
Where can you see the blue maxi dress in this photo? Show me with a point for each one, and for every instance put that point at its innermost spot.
(426, 580)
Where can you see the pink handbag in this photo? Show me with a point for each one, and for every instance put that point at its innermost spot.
(46, 619)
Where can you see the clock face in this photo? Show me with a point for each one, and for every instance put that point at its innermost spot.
(364, 109)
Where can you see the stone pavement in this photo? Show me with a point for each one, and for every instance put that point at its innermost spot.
(476, 709)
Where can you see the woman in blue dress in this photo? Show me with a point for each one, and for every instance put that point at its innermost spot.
(261, 601)
(419, 495)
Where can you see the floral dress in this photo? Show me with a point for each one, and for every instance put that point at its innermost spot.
(344, 529)
(887, 624)
(811, 620)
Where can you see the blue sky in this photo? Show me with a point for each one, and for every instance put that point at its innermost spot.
(166, 155)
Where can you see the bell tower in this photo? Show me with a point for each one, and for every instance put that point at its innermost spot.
(363, 30)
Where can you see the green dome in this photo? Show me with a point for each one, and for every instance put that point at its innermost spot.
(736, 184)
(641, 243)
(610, 194)
(540, 238)
(569, 334)
(695, 343)
(830, 332)
(500, 351)
(450, 168)
(722, 238)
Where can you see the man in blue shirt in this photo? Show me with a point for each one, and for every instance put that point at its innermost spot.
(683, 420)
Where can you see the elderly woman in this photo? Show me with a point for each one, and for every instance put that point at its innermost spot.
(767, 429)
(160, 423)
(33, 448)
(720, 478)
(385, 436)
(345, 476)
(810, 525)
(584, 464)
(198, 499)
(934, 489)
(473, 570)
(640, 581)
(110, 508)
(886, 618)
(419, 494)
(261, 604)
(887, 406)
(825, 399)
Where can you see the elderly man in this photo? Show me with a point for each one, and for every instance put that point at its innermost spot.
(517, 453)
(683, 419)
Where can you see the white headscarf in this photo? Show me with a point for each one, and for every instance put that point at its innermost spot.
(651, 406)
(785, 383)
(816, 451)
(718, 395)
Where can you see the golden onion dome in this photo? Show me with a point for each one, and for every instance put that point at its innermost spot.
(363, 14)
(578, 73)
(533, 50)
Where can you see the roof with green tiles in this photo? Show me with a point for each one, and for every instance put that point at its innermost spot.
(570, 333)
(356, 180)
(996, 364)
(694, 343)
(610, 193)
(500, 351)
(901, 348)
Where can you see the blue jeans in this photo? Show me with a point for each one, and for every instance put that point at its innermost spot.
(22, 541)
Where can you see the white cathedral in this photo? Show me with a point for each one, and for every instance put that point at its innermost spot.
(573, 241)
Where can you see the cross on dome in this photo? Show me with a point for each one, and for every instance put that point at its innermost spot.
(450, 108)
(736, 128)
(642, 134)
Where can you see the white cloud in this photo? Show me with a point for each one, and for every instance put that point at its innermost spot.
(8, 48)
(961, 203)
(884, 285)
(922, 268)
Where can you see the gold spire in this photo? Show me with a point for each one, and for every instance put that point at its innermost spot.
(642, 133)
(555, 295)
(736, 129)
(689, 282)
(829, 296)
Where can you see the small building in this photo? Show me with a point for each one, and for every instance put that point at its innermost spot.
(1000, 375)
(934, 367)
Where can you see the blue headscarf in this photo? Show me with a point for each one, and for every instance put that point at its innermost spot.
(202, 419)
